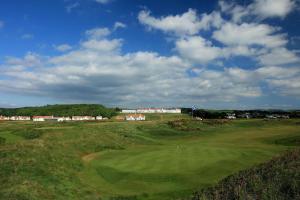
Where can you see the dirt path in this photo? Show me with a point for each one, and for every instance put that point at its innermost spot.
(89, 157)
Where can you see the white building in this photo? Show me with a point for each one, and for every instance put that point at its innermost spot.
(230, 116)
(63, 119)
(2, 118)
(99, 117)
(135, 117)
(19, 118)
(158, 110)
(42, 118)
(83, 118)
(128, 111)
(153, 110)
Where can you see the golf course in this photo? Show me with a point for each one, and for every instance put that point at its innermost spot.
(168, 156)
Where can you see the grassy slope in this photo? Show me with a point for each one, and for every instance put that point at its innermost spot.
(144, 160)
(278, 178)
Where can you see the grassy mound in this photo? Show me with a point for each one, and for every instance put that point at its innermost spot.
(276, 179)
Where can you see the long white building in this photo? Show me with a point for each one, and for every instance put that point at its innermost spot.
(42, 118)
(83, 118)
(20, 118)
(2, 118)
(135, 117)
(152, 110)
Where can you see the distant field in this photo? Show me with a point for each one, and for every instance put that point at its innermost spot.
(166, 157)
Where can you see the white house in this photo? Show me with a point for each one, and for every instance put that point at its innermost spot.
(128, 111)
(135, 117)
(230, 116)
(19, 118)
(82, 118)
(62, 119)
(158, 110)
(172, 110)
(2, 118)
(99, 117)
(153, 110)
(42, 118)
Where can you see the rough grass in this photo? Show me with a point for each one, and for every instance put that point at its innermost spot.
(278, 178)
(155, 159)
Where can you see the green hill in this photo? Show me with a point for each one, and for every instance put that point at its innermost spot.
(61, 110)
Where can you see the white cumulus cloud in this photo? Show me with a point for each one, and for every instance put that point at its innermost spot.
(189, 23)
(250, 34)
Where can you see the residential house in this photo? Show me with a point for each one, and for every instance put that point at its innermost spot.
(271, 116)
(153, 110)
(83, 118)
(3, 118)
(42, 118)
(244, 115)
(135, 117)
(230, 116)
(20, 118)
(63, 119)
(99, 118)
(158, 110)
(128, 111)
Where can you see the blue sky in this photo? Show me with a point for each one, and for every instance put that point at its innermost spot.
(132, 53)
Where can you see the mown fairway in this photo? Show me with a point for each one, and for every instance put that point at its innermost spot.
(154, 159)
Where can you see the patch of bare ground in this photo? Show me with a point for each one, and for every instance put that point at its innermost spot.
(89, 157)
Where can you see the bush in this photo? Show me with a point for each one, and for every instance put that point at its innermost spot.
(2, 140)
(29, 134)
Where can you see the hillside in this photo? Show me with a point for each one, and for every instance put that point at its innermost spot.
(166, 157)
(61, 110)
(277, 179)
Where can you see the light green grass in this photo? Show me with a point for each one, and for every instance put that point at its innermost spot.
(9, 137)
(138, 160)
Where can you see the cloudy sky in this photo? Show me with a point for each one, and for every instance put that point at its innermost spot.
(132, 53)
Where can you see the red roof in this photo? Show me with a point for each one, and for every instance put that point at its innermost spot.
(44, 117)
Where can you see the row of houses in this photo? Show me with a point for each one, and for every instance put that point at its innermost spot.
(15, 118)
(248, 116)
(152, 110)
(129, 117)
(135, 117)
(52, 118)
(277, 116)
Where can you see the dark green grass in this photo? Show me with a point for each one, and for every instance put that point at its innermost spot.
(154, 159)
(278, 178)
